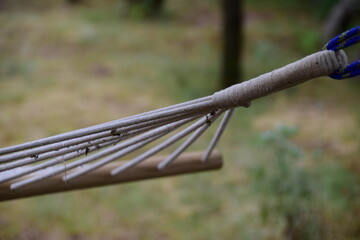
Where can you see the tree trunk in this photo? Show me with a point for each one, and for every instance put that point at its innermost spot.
(232, 42)
(155, 8)
(340, 17)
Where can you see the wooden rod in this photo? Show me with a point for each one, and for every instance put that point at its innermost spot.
(186, 163)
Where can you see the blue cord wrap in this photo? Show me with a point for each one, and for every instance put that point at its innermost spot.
(341, 41)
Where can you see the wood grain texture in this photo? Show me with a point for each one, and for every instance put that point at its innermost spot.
(186, 163)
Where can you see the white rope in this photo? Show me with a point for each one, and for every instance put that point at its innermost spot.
(132, 145)
(22, 171)
(318, 64)
(119, 134)
(188, 142)
(127, 147)
(165, 144)
(217, 135)
(145, 128)
(184, 109)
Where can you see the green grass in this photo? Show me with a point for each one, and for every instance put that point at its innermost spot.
(64, 68)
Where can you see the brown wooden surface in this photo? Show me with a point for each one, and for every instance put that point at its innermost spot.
(186, 163)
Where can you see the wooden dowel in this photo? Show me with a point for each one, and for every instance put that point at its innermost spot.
(186, 163)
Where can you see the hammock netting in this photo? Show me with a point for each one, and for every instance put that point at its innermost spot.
(87, 157)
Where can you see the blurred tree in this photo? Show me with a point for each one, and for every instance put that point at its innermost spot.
(232, 42)
(340, 17)
(145, 8)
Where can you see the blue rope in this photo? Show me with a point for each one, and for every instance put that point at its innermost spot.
(337, 42)
(341, 41)
(348, 71)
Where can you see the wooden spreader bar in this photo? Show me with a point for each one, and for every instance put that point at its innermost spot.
(185, 163)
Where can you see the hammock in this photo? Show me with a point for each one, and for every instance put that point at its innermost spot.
(86, 157)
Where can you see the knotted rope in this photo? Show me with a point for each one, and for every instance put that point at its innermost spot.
(116, 139)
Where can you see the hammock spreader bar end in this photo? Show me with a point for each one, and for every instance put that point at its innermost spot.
(186, 163)
(87, 157)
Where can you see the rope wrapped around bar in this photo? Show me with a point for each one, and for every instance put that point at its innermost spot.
(140, 130)
(318, 64)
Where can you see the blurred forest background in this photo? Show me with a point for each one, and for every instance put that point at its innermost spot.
(292, 167)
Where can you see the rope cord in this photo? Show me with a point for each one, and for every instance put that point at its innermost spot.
(318, 64)
(217, 135)
(341, 41)
(315, 65)
(197, 106)
(135, 143)
(144, 128)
